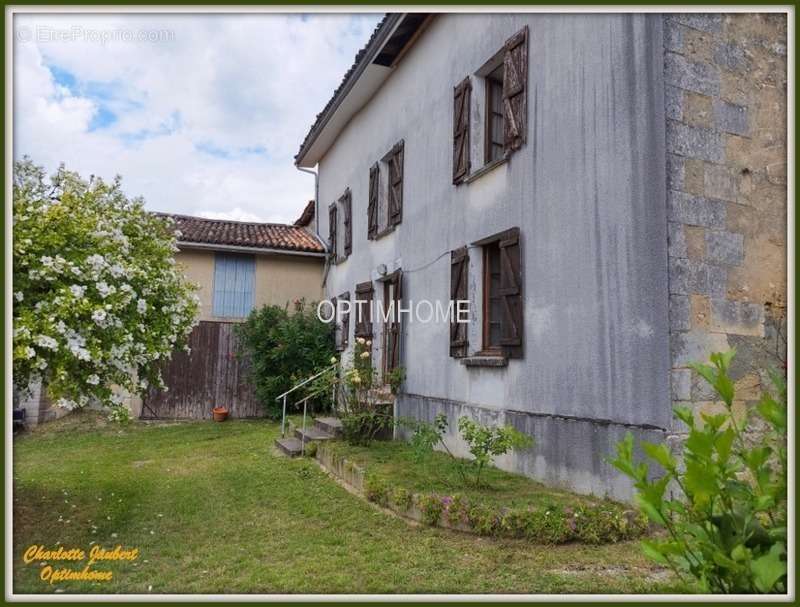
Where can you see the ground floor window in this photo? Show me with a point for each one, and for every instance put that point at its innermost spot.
(392, 294)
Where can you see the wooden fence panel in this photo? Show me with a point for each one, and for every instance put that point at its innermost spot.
(211, 375)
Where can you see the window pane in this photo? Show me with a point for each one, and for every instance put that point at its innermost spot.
(494, 302)
(494, 109)
(234, 282)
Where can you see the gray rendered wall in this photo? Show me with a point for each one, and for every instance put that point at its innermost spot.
(588, 193)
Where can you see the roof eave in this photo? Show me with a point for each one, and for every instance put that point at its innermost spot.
(207, 246)
(314, 147)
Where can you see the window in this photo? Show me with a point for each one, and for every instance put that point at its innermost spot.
(494, 147)
(342, 327)
(493, 301)
(234, 281)
(502, 294)
(392, 298)
(364, 293)
(385, 205)
(346, 202)
(333, 217)
(504, 109)
(343, 207)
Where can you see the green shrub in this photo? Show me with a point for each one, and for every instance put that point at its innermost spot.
(310, 449)
(284, 348)
(431, 507)
(486, 442)
(362, 427)
(549, 525)
(376, 490)
(607, 525)
(425, 436)
(402, 498)
(483, 519)
(727, 531)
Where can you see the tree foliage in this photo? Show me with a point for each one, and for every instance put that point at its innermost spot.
(98, 300)
(284, 348)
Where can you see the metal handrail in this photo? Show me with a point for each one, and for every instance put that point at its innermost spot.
(305, 381)
(304, 401)
(305, 407)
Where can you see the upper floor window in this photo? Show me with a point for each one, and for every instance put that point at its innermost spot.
(385, 205)
(493, 140)
(503, 129)
(340, 221)
(234, 285)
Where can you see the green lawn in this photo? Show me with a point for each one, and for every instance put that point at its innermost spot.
(394, 462)
(212, 509)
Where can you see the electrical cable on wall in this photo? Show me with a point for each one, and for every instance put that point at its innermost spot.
(430, 263)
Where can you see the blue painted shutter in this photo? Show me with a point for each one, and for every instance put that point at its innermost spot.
(234, 282)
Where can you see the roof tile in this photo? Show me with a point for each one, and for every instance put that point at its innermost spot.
(245, 234)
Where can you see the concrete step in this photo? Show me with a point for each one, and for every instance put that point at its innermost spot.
(310, 434)
(289, 445)
(331, 425)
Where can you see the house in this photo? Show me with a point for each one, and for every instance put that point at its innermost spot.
(238, 266)
(588, 183)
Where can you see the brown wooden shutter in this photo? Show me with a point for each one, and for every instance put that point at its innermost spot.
(515, 90)
(511, 292)
(364, 292)
(345, 340)
(396, 184)
(461, 108)
(347, 210)
(372, 206)
(332, 230)
(336, 337)
(459, 274)
(395, 326)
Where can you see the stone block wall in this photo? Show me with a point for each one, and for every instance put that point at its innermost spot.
(725, 103)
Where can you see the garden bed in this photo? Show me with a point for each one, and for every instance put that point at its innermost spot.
(505, 505)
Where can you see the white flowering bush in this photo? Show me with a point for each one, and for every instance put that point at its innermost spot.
(98, 300)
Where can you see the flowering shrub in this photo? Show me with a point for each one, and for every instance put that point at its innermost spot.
(362, 419)
(98, 301)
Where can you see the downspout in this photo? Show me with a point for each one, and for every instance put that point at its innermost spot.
(316, 199)
(316, 220)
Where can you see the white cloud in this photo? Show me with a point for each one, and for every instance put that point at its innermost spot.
(205, 119)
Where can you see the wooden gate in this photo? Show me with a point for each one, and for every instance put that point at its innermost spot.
(211, 375)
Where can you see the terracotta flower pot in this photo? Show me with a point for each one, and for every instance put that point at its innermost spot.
(220, 414)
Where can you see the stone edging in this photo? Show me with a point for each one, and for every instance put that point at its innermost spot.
(617, 524)
(352, 476)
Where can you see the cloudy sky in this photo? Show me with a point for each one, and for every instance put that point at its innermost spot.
(200, 114)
